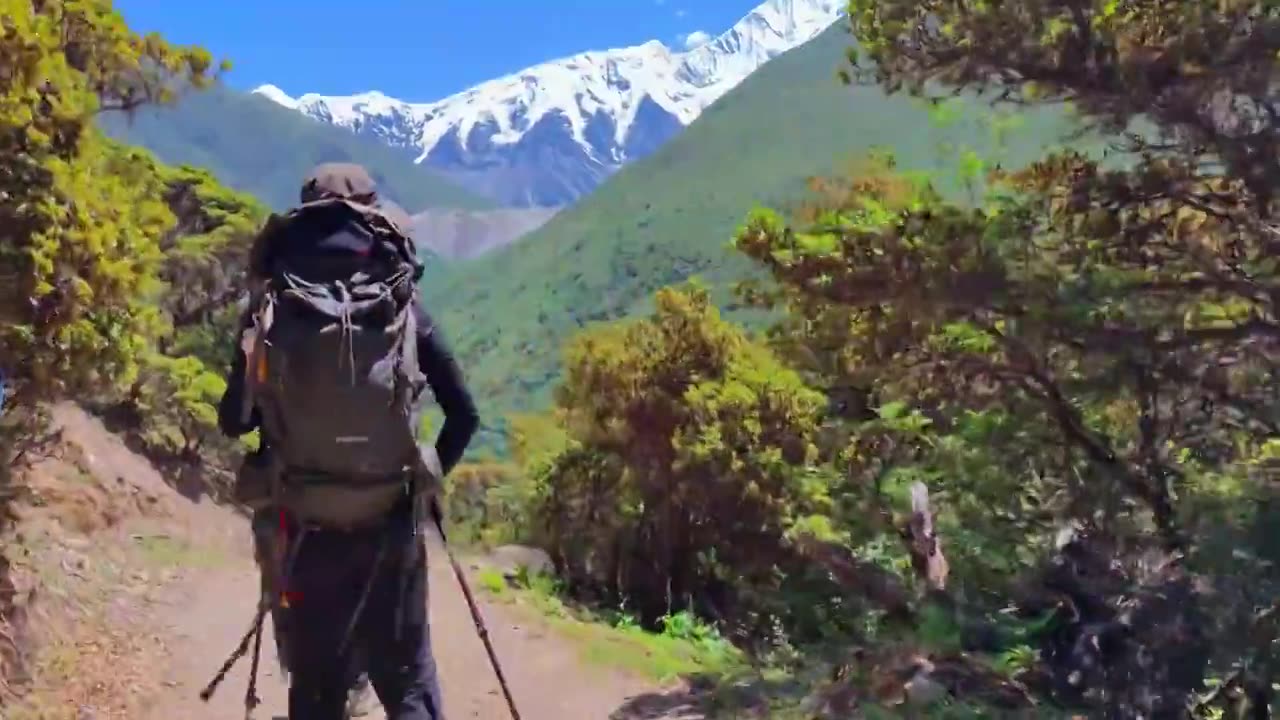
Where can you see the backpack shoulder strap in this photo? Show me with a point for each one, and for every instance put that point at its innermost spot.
(252, 341)
(277, 226)
(259, 251)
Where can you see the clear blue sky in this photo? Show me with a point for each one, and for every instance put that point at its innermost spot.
(416, 50)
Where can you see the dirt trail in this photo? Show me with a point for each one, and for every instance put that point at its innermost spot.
(206, 615)
(198, 611)
(546, 673)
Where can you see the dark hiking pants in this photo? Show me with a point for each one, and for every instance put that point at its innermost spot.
(331, 573)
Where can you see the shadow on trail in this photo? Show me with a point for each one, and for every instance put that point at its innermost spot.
(701, 695)
(186, 471)
(679, 703)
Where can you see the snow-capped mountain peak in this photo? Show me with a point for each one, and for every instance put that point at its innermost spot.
(593, 111)
(276, 95)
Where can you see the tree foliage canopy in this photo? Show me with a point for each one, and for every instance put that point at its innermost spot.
(119, 273)
(1080, 366)
(688, 459)
(1093, 348)
(77, 228)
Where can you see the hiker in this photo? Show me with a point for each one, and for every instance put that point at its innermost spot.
(335, 394)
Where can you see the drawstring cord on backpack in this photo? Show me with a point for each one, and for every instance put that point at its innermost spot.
(347, 329)
(346, 325)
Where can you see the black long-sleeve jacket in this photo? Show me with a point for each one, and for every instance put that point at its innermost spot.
(434, 359)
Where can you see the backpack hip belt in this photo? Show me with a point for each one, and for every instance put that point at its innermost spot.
(309, 495)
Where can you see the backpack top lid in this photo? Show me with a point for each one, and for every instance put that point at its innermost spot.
(350, 182)
(345, 181)
(332, 196)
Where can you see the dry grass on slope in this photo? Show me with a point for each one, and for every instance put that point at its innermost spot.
(100, 541)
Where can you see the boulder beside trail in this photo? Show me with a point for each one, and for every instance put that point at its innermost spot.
(510, 559)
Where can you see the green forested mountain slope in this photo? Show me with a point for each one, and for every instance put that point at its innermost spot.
(672, 215)
(255, 146)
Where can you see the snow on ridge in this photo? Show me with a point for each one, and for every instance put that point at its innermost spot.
(613, 82)
(276, 95)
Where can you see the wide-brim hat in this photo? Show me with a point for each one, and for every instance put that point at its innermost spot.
(351, 182)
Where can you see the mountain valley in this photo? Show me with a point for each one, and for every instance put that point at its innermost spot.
(672, 215)
(548, 135)
(540, 224)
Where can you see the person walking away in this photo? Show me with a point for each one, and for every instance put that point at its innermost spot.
(331, 369)
(253, 490)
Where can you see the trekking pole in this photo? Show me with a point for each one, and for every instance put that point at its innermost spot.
(251, 699)
(254, 635)
(438, 516)
(236, 654)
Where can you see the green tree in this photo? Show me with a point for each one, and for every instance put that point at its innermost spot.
(171, 405)
(83, 224)
(1110, 335)
(687, 461)
(120, 274)
(77, 242)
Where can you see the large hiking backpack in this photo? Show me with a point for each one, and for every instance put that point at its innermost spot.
(333, 362)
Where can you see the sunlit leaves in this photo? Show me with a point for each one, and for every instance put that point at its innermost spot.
(1094, 342)
(78, 231)
(684, 431)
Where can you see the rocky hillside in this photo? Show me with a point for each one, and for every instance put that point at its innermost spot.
(456, 234)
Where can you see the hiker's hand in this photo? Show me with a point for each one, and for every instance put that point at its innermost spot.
(427, 482)
(431, 460)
